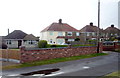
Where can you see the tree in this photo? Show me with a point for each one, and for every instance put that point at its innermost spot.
(42, 44)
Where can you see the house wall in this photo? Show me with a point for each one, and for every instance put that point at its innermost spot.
(27, 45)
(46, 36)
(51, 53)
(14, 44)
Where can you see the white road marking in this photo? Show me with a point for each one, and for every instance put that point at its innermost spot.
(55, 74)
(13, 75)
(86, 67)
(38, 75)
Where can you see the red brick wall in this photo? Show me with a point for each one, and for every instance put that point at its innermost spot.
(44, 54)
(117, 45)
(111, 47)
(108, 48)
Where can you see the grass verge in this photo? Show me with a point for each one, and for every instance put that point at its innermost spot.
(112, 75)
(52, 61)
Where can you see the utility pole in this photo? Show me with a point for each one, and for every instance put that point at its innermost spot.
(98, 31)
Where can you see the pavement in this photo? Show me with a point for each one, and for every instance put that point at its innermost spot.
(7, 63)
(96, 66)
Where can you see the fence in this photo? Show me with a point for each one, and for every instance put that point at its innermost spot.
(10, 54)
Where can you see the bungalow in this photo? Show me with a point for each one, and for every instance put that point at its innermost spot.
(59, 33)
(18, 38)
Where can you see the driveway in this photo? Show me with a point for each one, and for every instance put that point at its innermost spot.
(96, 66)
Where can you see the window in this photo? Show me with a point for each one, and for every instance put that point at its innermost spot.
(51, 41)
(77, 34)
(93, 33)
(69, 34)
(30, 42)
(71, 40)
(60, 34)
(9, 42)
(111, 34)
(88, 34)
(60, 41)
(116, 34)
(51, 33)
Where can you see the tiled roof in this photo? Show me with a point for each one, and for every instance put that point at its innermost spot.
(16, 34)
(59, 27)
(90, 28)
(30, 37)
(112, 29)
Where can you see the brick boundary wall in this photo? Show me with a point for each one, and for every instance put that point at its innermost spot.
(111, 47)
(51, 53)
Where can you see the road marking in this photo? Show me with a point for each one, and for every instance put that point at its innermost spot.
(13, 75)
(55, 74)
(86, 67)
(38, 75)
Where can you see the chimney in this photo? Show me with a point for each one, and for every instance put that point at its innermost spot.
(91, 24)
(60, 21)
(8, 31)
(112, 26)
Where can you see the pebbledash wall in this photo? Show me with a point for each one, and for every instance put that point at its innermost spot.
(50, 53)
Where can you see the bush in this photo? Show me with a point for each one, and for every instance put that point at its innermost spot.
(4, 46)
(42, 44)
(77, 39)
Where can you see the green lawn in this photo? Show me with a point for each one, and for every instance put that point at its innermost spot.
(56, 60)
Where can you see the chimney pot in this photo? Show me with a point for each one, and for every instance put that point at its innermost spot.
(112, 25)
(91, 24)
(8, 31)
(60, 21)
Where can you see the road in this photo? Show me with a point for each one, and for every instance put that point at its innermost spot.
(91, 67)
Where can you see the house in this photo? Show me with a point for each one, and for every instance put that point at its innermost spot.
(89, 32)
(112, 31)
(18, 38)
(59, 33)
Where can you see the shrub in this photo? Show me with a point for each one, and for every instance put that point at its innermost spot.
(42, 44)
(77, 39)
(53, 45)
(4, 46)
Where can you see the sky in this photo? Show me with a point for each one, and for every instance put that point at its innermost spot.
(32, 16)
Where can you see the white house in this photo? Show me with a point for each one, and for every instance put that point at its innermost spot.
(59, 33)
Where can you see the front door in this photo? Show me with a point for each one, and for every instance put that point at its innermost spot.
(19, 43)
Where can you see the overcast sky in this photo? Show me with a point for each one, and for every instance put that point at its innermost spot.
(32, 16)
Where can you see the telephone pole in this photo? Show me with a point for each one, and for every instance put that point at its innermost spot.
(98, 31)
